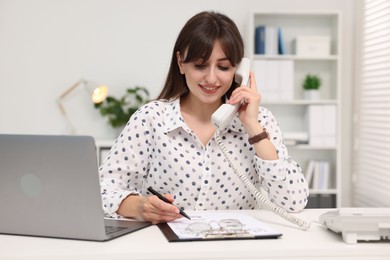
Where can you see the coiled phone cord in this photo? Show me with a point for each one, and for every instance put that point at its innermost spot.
(253, 190)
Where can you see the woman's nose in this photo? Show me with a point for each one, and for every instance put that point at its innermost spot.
(211, 76)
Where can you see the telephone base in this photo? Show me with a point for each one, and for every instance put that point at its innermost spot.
(354, 237)
(359, 224)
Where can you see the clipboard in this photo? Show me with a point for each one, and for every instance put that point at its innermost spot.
(208, 226)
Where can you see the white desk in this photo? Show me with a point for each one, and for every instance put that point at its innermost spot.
(149, 243)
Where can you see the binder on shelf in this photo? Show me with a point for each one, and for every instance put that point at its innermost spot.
(309, 173)
(267, 79)
(286, 80)
(317, 174)
(271, 40)
(314, 122)
(272, 78)
(321, 124)
(281, 44)
(275, 79)
(323, 182)
(260, 39)
(329, 130)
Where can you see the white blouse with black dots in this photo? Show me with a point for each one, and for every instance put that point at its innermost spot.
(156, 148)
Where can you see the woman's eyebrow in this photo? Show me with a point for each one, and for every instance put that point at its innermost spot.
(222, 59)
(202, 61)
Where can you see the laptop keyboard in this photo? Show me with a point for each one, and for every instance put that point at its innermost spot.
(113, 229)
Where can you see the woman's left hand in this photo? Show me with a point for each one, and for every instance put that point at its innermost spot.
(250, 102)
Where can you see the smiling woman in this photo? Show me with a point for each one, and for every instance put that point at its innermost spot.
(171, 143)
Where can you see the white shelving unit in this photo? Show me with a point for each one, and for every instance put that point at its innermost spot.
(291, 114)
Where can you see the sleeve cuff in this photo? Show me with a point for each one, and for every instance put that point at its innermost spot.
(271, 169)
(112, 201)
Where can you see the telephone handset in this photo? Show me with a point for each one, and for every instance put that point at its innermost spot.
(225, 113)
(221, 118)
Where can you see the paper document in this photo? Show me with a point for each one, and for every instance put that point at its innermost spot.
(215, 225)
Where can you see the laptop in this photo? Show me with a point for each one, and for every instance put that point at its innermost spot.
(49, 187)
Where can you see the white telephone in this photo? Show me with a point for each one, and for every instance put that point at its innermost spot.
(225, 113)
(221, 119)
(358, 224)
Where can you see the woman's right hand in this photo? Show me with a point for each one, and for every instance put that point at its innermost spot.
(149, 208)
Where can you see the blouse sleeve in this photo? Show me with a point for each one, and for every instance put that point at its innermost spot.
(282, 179)
(121, 174)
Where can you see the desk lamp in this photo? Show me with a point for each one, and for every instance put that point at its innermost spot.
(98, 94)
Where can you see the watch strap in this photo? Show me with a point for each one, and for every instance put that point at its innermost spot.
(259, 137)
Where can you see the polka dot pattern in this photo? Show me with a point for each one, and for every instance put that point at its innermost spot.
(156, 148)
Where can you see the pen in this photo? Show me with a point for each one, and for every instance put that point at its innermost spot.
(161, 197)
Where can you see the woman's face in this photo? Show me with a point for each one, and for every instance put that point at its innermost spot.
(208, 80)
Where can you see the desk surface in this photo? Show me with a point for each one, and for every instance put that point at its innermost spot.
(150, 243)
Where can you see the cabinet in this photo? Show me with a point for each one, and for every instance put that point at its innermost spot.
(293, 112)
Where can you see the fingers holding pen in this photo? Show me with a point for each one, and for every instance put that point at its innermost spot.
(162, 206)
(156, 211)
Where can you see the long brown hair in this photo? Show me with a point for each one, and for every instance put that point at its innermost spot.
(197, 39)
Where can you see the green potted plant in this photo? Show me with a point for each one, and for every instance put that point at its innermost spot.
(311, 86)
(119, 110)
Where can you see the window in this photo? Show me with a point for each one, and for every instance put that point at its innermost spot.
(371, 176)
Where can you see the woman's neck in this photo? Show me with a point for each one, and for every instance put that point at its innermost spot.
(197, 116)
(197, 109)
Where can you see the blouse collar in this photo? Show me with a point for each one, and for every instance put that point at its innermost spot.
(174, 119)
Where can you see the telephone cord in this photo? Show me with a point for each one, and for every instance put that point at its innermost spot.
(253, 190)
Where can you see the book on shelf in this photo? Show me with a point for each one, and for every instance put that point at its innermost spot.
(317, 174)
(269, 40)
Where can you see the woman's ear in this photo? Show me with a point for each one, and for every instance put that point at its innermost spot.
(180, 62)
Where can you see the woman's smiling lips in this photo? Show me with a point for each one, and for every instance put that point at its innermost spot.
(209, 89)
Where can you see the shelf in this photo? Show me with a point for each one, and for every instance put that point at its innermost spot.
(294, 57)
(327, 191)
(302, 102)
(311, 147)
(279, 79)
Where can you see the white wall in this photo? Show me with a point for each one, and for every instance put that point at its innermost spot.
(47, 45)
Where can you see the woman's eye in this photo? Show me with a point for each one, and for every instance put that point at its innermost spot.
(200, 66)
(223, 68)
